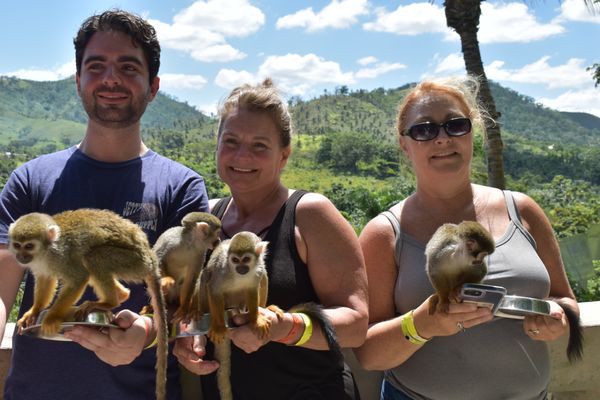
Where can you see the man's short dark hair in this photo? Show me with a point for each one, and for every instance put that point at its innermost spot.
(140, 31)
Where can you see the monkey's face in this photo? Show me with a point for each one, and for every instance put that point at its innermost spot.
(242, 263)
(25, 251)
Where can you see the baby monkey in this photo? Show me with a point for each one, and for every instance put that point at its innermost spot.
(181, 253)
(235, 277)
(84, 246)
(456, 255)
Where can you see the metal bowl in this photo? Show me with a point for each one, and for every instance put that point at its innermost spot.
(200, 326)
(518, 307)
(95, 319)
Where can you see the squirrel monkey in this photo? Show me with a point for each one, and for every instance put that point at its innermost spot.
(234, 277)
(84, 246)
(455, 255)
(181, 253)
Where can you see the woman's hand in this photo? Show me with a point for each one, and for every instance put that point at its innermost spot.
(246, 337)
(190, 352)
(539, 327)
(460, 316)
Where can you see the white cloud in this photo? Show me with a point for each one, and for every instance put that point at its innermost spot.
(39, 74)
(229, 78)
(578, 11)
(181, 81)
(513, 22)
(412, 19)
(378, 69)
(296, 74)
(202, 29)
(338, 14)
(585, 100)
(367, 60)
(572, 74)
(452, 64)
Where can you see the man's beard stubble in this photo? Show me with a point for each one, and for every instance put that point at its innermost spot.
(115, 116)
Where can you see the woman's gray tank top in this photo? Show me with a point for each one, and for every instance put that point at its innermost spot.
(495, 360)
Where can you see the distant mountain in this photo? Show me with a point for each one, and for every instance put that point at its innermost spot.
(374, 112)
(46, 111)
(51, 112)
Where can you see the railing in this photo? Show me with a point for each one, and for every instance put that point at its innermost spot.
(580, 381)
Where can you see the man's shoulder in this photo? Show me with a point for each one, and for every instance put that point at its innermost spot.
(176, 168)
(48, 161)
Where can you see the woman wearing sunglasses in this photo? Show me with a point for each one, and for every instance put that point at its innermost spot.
(466, 353)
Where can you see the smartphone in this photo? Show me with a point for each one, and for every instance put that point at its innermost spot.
(483, 295)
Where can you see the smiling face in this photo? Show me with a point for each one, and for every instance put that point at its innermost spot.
(114, 81)
(249, 152)
(443, 155)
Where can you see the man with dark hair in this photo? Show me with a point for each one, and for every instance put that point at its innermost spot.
(117, 57)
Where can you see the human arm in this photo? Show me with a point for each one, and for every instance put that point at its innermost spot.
(11, 274)
(538, 225)
(385, 346)
(329, 247)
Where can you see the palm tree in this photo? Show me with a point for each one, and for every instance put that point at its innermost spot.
(463, 17)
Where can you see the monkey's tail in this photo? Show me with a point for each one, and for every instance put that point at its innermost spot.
(223, 355)
(317, 315)
(161, 325)
(575, 345)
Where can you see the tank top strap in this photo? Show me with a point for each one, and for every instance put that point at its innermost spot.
(219, 209)
(515, 217)
(393, 220)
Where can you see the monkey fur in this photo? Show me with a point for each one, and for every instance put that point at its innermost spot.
(575, 343)
(181, 253)
(235, 277)
(456, 255)
(84, 246)
(318, 316)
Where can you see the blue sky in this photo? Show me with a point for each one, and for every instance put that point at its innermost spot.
(538, 48)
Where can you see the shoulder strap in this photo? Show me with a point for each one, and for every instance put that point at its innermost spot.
(219, 209)
(393, 220)
(513, 213)
(515, 217)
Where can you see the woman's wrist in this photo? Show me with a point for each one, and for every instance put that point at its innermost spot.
(296, 328)
(420, 320)
(151, 337)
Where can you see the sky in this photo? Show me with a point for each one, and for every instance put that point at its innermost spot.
(538, 48)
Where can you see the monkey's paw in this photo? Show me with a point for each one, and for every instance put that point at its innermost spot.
(51, 324)
(262, 327)
(433, 302)
(278, 311)
(182, 314)
(29, 318)
(167, 285)
(217, 334)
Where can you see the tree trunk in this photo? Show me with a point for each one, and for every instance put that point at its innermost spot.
(463, 17)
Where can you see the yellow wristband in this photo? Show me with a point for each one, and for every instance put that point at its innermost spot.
(155, 341)
(308, 330)
(410, 331)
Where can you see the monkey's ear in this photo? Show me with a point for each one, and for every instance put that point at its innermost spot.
(261, 247)
(203, 228)
(53, 233)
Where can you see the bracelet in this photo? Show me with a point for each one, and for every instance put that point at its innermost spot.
(297, 323)
(308, 330)
(410, 331)
(147, 327)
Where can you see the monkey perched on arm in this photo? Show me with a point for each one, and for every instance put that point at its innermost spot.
(455, 255)
(181, 253)
(84, 246)
(234, 277)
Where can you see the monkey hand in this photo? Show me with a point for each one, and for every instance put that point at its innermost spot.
(51, 323)
(190, 352)
(168, 287)
(29, 318)
(217, 333)
(245, 335)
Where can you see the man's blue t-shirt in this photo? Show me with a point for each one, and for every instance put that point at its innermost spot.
(153, 192)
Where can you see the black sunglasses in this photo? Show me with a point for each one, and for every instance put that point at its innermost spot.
(430, 130)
